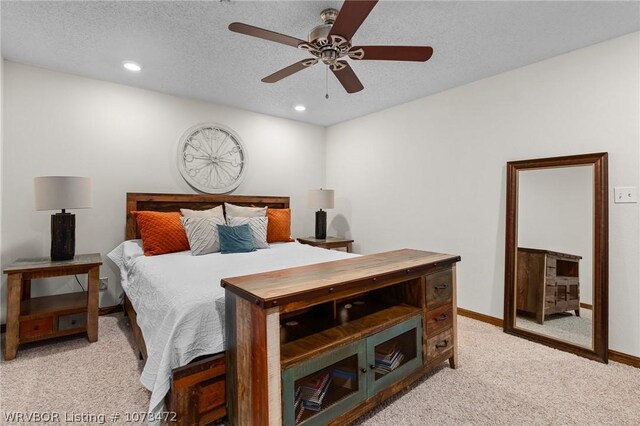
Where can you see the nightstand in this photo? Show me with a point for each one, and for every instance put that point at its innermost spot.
(30, 320)
(328, 243)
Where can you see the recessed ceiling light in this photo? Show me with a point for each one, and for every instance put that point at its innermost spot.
(300, 108)
(131, 66)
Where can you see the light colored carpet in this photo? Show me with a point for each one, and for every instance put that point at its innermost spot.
(75, 376)
(502, 380)
(565, 326)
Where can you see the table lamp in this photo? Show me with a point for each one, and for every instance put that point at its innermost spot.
(321, 199)
(62, 192)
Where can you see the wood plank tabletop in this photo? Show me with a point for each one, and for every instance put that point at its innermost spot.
(290, 284)
(45, 263)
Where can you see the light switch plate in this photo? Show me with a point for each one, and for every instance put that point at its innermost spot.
(625, 194)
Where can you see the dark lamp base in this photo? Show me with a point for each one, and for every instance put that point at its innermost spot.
(63, 236)
(321, 225)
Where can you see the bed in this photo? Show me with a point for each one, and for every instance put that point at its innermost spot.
(179, 333)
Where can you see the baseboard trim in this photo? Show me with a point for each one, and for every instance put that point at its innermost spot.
(480, 317)
(110, 310)
(616, 356)
(623, 358)
(101, 311)
(586, 306)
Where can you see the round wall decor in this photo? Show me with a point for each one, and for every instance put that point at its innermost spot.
(212, 158)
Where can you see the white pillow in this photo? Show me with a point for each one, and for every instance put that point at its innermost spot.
(258, 227)
(214, 212)
(240, 211)
(202, 233)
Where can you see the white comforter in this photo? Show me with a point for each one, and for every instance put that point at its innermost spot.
(180, 303)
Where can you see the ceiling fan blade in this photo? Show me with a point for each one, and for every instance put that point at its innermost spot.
(347, 77)
(351, 16)
(250, 30)
(391, 53)
(291, 69)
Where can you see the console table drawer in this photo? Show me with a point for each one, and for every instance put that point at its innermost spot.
(439, 319)
(69, 322)
(439, 344)
(439, 287)
(35, 328)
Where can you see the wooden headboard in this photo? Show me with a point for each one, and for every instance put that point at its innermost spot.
(175, 202)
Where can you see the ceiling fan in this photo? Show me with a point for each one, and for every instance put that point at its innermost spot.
(330, 43)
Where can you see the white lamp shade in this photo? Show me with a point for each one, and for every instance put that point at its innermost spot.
(62, 192)
(321, 198)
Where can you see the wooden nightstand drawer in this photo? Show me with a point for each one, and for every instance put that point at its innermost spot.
(439, 344)
(36, 328)
(69, 322)
(439, 319)
(439, 287)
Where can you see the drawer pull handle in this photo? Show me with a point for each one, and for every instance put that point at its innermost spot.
(442, 345)
(73, 322)
(440, 287)
(440, 318)
(363, 370)
(371, 366)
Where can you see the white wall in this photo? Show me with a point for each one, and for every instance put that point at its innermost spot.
(555, 212)
(2, 293)
(126, 140)
(430, 174)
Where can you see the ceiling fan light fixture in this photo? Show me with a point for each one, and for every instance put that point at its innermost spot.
(300, 108)
(330, 43)
(131, 66)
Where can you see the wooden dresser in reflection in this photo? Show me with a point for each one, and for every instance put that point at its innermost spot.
(547, 283)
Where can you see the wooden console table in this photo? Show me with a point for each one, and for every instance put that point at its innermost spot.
(324, 343)
(32, 319)
(548, 283)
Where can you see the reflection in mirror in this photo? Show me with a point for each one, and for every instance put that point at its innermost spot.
(554, 259)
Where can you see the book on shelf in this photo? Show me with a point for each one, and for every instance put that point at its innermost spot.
(384, 369)
(388, 357)
(387, 350)
(313, 391)
(315, 403)
(299, 414)
(345, 378)
(298, 398)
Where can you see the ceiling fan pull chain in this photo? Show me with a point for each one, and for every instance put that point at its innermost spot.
(326, 81)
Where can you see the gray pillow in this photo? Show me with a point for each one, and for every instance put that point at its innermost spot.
(202, 233)
(258, 227)
(232, 210)
(214, 212)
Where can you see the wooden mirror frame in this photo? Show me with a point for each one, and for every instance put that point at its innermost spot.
(600, 332)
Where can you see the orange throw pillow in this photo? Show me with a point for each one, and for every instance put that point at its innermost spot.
(161, 232)
(279, 225)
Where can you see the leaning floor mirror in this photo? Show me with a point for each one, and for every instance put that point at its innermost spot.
(556, 260)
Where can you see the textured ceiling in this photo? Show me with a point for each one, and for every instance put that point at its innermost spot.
(186, 49)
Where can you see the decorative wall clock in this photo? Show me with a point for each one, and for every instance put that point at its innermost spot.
(212, 158)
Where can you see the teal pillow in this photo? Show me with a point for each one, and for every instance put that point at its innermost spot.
(235, 239)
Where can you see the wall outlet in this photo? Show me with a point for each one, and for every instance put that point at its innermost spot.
(625, 194)
(104, 283)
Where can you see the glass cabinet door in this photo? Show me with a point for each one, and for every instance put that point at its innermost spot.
(320, 389)
(394, 353)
